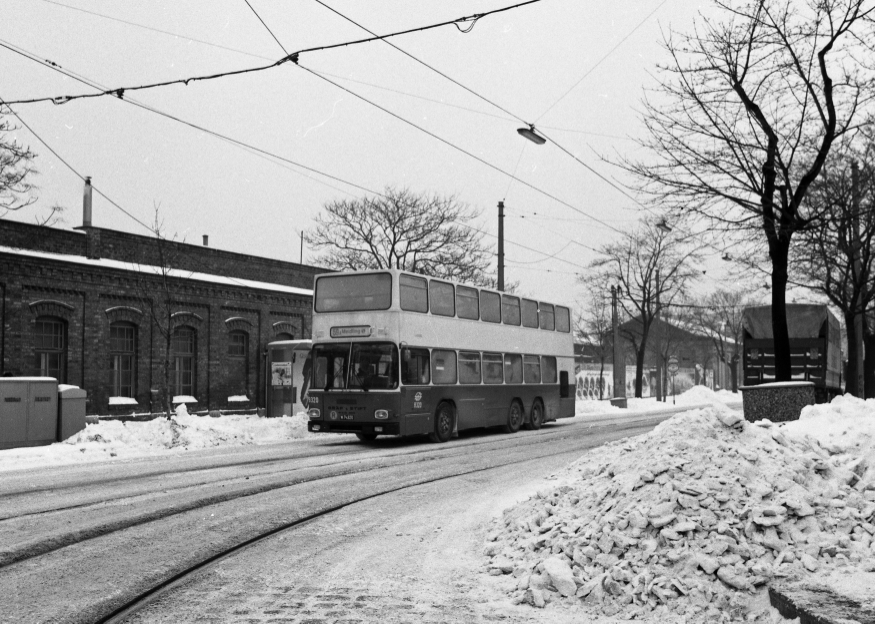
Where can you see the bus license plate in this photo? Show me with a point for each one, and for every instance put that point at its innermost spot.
(336, 416)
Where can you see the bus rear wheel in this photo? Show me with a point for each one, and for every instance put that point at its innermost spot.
(443, 423)
(366, 436)
(514, 417)
(536, 418)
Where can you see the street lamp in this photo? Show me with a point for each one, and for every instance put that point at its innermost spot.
(662, 225)
(532, 135)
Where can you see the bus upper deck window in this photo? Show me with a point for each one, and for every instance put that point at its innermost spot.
(413, 293)
(467, 303)
(442, 298)
(490, 307)
(510, 310)
(563, 319)
(530, 313)
(545, 313)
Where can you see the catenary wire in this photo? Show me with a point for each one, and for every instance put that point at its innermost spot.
(601, 60)
(369, 84)
(54, 66)
(120, 91)
(253, 149)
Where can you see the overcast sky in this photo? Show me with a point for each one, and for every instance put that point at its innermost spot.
(524, 60)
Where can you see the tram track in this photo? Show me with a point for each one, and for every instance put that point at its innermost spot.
(149, 596)
(170, 544)
(166, 504)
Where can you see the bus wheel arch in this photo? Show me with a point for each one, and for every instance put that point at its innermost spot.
(444, 422)
(515, 416)
(536, 414)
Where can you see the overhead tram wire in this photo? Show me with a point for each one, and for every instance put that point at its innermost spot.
(601, 60)
(487, 100)
(54, 66)
(120, 91)
(69, 166)
(345, 78)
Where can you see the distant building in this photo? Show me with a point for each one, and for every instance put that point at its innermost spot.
(74, 304)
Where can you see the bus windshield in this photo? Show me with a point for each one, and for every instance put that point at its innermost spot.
(354, 293)
(360, 366)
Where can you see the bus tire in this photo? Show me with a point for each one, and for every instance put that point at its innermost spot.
(515, 417)
(536, 417)
(444, 418)
(366, 436)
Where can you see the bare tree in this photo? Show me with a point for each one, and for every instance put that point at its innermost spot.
(593, 325)
(157, 287)
(835, 257)
(750, 107)
(16, 192)
(423, 233)
(653, 269)
(719, 316)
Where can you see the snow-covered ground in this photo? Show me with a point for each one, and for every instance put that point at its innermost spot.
(111, 439)
(689, 522)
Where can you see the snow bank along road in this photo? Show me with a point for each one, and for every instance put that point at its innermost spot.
(79, 544)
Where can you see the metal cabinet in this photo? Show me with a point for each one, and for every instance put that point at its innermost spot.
(28, 411)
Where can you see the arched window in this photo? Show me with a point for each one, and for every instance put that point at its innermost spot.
(238, 361)
(183, 357)
(123, 358)
(284, 336)
(50, 347)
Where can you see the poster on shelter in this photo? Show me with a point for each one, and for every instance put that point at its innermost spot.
(281, 373)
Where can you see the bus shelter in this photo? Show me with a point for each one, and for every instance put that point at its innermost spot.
(287, 376)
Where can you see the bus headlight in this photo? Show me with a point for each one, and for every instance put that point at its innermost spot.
(381, 414)
(315, 414)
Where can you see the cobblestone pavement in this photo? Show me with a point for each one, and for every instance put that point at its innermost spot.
(412, 557)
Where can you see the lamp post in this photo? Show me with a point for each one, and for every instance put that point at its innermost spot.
(619, 394)
(532, 135)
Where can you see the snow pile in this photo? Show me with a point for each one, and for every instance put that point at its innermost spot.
(115, 439)
(690, 522)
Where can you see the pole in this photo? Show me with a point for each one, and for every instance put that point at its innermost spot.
(658, 354)
(302, 246)
(860, 286)
(501, 245)
(619, 364)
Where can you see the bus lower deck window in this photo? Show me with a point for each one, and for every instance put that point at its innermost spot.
(493, 368)
(415, 367)
(469, 367)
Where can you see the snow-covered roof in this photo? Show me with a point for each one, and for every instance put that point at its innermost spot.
(133, 267)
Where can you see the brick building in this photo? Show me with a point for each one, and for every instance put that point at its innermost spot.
(77, 305)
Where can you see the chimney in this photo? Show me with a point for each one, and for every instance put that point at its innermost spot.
(86, 203)
(206, 240)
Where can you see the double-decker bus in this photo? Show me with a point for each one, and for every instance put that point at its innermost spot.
(395, 353)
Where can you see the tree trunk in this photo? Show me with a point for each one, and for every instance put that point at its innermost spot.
(733, 370)
(869, 365)
(602, 381)
(779, 250)
(854, 343)
(639, 371)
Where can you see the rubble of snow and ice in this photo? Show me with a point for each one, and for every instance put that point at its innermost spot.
(114, 439)
(690, 522)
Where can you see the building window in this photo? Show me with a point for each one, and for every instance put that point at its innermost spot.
(284, 336)
(183, 358)
(123, 355)
(50, 345)
(237, 343)
(238, 362)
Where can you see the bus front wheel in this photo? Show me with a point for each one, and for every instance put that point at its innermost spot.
(536, 418)
(514, 417)
(443, 423)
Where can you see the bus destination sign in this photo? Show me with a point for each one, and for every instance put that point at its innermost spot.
(355, 331)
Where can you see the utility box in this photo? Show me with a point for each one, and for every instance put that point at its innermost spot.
(71, 411)
(28, 411)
